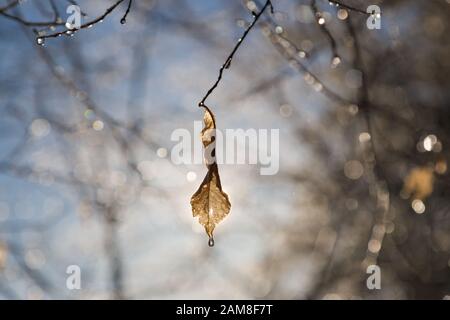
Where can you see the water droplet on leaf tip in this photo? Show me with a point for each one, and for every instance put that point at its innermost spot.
(123, 21)
(211, 242)
(40, 41)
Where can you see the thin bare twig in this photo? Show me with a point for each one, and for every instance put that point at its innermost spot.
(228, 60)
(70, 32)
(345, 6)
(124, 18)
(325, 31)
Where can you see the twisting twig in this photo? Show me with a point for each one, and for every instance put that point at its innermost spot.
(228, 60)
(321, 22)
(379, 179)
(345, 6)
(40, 39)
(124, 18)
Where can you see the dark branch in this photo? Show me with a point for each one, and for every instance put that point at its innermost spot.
(321, 22)
(343, 5)
(124, 18)
(228, 60)
(69, 32)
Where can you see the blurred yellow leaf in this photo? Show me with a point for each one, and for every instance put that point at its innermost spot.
(419, 183)
(209, 203)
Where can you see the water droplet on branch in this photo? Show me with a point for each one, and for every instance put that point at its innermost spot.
(211, 242)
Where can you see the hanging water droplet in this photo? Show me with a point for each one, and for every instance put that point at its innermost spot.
(123, 21)
(40, 41)
(211, 242)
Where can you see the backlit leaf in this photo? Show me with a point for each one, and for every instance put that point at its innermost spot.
(209, 203)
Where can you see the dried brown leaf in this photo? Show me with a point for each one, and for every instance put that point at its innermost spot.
(209, 203)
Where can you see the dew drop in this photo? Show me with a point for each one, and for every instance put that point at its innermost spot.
(123, 21)
(211, 242)
(40, 41)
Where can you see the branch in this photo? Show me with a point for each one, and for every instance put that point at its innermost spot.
(228, 60)
(124, 18)
(321, 22)
(284, 47)
(343, 5)
(70, 32)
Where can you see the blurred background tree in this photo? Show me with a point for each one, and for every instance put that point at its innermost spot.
(86, 176)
